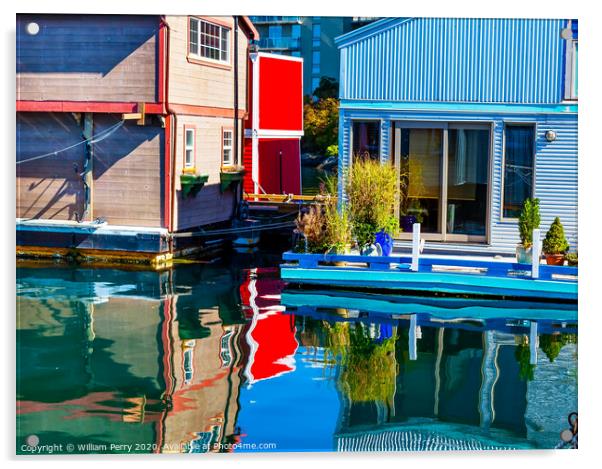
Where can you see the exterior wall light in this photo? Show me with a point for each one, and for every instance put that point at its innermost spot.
(32, 28)
(550, 135)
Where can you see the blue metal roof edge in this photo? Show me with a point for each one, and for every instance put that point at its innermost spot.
(532, 108)
(368, 30)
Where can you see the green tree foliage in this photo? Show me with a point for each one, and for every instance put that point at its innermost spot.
(528, 220)
(555, 241)
(321, 124)
(327, 88)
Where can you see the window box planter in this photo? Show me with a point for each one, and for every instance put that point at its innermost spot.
(230, 176)
(192, 183)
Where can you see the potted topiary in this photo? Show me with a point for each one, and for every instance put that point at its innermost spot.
(528, 221)
(555, 244)
(572, 259)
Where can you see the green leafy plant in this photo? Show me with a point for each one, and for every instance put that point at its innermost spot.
(555, 241)
(528, 220)
(332, 150)
(371, 188)
(320, 124)
(572, 259)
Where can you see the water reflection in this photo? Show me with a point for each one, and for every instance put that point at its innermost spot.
(217, 358)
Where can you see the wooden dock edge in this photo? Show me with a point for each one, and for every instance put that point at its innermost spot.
(157, 261)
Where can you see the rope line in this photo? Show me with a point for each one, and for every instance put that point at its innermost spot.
(93, 139)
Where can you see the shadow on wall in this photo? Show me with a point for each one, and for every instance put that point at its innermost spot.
(80, 43)
(52, 187)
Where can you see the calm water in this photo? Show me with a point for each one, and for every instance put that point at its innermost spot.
(221, 358)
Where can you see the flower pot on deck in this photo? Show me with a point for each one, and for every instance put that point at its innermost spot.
(229, 177)
(385, 241)
(524, 255)
(555, 259)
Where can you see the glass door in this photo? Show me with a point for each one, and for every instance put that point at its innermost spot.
(420, 169)
(443, 179)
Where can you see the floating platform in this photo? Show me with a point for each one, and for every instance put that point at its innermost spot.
(432, 274)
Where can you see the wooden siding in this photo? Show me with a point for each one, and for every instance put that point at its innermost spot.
(128, 173)
(49, 188)
(200, 84)
(209, 205)
(556, 164)
(88, 58)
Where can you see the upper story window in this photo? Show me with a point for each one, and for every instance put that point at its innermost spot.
(209, 41)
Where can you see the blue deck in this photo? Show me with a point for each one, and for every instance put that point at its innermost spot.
(451, 275)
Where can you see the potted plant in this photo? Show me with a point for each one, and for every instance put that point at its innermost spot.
(528, 220)
(572, 259)
(371, 192)
(555, 244)
(229, 175)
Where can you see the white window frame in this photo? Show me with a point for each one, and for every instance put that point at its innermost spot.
(189, 148)
(223, 32)
(225, 147)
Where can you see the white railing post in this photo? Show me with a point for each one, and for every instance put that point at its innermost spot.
(535, 253)
(415, 246)
(533, 343)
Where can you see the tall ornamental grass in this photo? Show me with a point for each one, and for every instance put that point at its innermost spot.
(371, 188)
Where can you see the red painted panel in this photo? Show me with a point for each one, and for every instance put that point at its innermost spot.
(247, 162)
(272, 167)
(280, 94)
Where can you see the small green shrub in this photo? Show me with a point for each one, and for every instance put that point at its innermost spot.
(572, 259)
(332, 150)
(371, 188)
(555, 242)
(528, 220)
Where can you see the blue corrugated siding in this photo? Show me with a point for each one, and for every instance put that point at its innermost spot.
(457, 60)
(555, 164)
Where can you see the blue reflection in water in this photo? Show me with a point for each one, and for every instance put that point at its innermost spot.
(218, 358)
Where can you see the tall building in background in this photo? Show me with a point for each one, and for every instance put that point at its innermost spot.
(310, 37)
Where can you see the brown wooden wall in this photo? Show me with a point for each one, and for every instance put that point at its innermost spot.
(88, 58)
(201, 84)
(127, 167)
(49, 188)
(128, 173)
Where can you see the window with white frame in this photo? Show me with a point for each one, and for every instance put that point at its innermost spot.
(227, 147)
(189, 148)
(209, 41)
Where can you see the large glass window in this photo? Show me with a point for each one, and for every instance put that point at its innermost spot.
(275, 31)
(315, 61)
(366, 139)
(443, 178)
(209, 41)
(518, 168)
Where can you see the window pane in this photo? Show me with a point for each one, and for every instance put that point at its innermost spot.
(188, 161)
(366, 139)
(518, 168)
(189, 138)
(227, 155)
(468, 162)
(194, 36)
(214, 42)
(421, 159)
(316, 31)
(575, 78)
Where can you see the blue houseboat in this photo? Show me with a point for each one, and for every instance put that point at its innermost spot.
(475, 114)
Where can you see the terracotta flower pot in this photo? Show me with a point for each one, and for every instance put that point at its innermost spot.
(555, 259)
